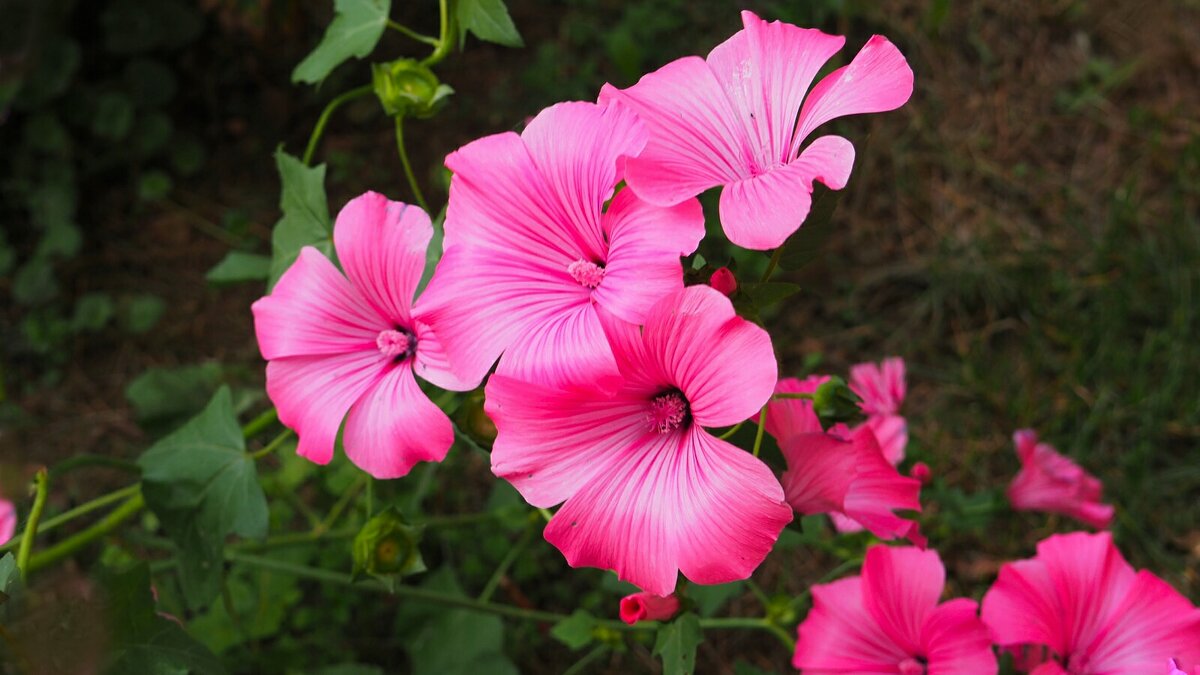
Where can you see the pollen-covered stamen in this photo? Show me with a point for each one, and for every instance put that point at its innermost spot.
(396, 344)
(668, 412)
(586, 272)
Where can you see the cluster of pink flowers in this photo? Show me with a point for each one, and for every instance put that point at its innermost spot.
(561, 271)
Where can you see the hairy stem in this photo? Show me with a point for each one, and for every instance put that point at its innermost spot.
(41, 484)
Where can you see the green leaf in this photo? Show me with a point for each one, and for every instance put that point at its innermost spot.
(10, 588)
(164, 395)
(487, 20)
(355, 30)
(709, 599)
(240, 266)
(433, 253)
(305, 220)
(767, 293)
(142, 312)
(676, 645)
(575, 631)
(203, 486)
(459, 641)
(144, 642)
(93, 312)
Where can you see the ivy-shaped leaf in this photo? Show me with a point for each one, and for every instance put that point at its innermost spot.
(487, 20)
(575, 631)
(203, 486)
(355, 30)
(676, 645)
(305, 220)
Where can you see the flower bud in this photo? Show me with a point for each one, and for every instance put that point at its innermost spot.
(387, 547)
(407, 89)
(834, 403)
(724, 281)
(921, 472)
(473, 421)
(647, 607)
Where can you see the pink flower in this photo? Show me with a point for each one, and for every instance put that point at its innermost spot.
(1173, 668)
(736, 120)
(336, 344)
(724, 281)
(533, 258)
(648, 607)
(889, 621)
(649, 492)
(1051, 482)
(1080, 599)
(842, 473)
(8, 521)
(882, 389)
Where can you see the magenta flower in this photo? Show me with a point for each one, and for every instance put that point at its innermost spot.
(8, 521)
(649, 492)
(841, 472)
(882, 389)
(336, 344)
(736, 120)
(1051, 482)
(533, 258)
(889, 621)
(1082, 601)
(648, 607)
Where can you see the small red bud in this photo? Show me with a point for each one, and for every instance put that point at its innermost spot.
(921, 472)
(647, 607)
(724, 281)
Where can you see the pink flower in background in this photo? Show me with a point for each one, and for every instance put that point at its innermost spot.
(648, 607)
(648, 491)
(533, 258)
(724, 281)
(1051, 482)
(889, 621)
(337, 344)
(1096, 615)
(882, 389)
(921, 472)
(741, 118)
(8, 521)
(841, 472)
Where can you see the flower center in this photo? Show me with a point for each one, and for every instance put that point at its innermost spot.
(913, 666)
(586, 272)
(396, 344)
(668, 412)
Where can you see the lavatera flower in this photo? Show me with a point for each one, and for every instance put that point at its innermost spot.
(649, 492)
(355, 343)
(741, 118)
(1051, 482)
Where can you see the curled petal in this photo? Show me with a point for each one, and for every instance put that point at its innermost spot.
(394, 426)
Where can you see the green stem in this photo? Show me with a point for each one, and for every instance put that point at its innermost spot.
(330, 107)
(83, 461)
(272, 446)
(41, 483)
(792, 394)
(444, 44)
(258, 424)
(502, 568)
(762, 424)
(727, 434)
(81, 510)
(69, 546)
(405, 30)
(586, 661)
(773, 263)
(408, 171)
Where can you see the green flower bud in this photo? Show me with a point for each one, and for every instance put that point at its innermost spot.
(473, 421)
(834, 402)
(408, 89)
(387, 547)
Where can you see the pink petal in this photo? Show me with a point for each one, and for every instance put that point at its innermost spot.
(480, 301)
(394, 426)
(839, 635)
(877, 80)
(645, 243)
(760, 212)
(431, 363)
(678, 502)
(891, 432)
(8, 521)
(708, 352)
(696, 140)
(955, 641)
(787, 417)
(314, 310)
(901, 588)
(576, 147)
(565, 350)
(1153, 620)
(551, 443)
(1049, 668)
(820, 471)
(765, 70)
(381, 245)
(313, 394)
(648, 607)
(878, 490)
(881, 387)
(1051, 482)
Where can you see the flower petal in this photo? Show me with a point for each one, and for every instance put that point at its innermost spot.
(955, 641)
(881, 386)
(901, 588)
(709, 352)
(1153, 620)
(839, 635)
(313, 394)
(891, 432)
(760, 212)
(878, 79)
(394, 426)
(645, 243)
(787, 417)
(565, 350)
(878, 490)
(696, 140)
(381, 245)
(676, 502)
(8, 521)
(765, 70)
(314, 310)
(432, 364)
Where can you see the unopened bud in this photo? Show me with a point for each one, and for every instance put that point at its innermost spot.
(408, 89)
(921, 472)
(835, 403)
(723, 281)
(387, 546)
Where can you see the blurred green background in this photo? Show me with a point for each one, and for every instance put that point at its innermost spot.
(1025, 233)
